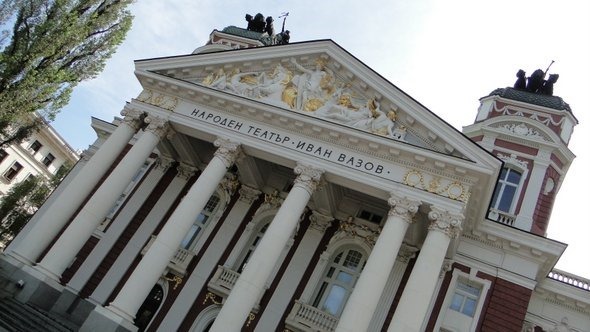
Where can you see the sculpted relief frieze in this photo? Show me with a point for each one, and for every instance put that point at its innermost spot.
(314, 91)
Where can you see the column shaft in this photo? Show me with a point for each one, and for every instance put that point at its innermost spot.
(363, 301)
(250, 285)
(156, 259)
(58, 214)
(413, 305)
(72, 240)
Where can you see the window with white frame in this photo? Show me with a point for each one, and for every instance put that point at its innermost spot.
(338, 281)
(463, 303)
(35, 146)
(201, 222)
(3, 155)
(465, 298)
(505, 195)
(48, 159)
(251, 247)
(13, 171)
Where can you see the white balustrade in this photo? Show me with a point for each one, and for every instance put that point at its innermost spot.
(570, 279)
(179, 261)
(306, 317)
(223, 281)
(502, 217)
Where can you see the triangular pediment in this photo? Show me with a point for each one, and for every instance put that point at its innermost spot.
(315, 100)
(321, 80)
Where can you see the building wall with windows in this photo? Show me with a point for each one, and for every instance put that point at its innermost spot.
(291, 188)
(42, 154)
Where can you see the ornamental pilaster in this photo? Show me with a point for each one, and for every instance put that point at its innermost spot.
(445, 222)
(227, 151)
(308, 178)
(248, 194)
(406, 253)
(158, 126)
(163, 163)
(133, 118)
(319, 222)
(185, 171)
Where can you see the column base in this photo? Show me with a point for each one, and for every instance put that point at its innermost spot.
(105, 320)
(16, 259)
(35, 287)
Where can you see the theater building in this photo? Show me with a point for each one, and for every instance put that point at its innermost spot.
(292, 188)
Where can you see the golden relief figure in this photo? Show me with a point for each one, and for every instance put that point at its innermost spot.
(316, 91)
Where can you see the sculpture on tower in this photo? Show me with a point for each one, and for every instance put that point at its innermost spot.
(536, 83)
(258, 23)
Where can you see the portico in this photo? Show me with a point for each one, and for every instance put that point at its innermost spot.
(363, 153)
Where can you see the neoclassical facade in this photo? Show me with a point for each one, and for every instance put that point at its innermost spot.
(292, 188)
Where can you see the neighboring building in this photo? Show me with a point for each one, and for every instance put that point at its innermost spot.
(42, 154)
(292, 188)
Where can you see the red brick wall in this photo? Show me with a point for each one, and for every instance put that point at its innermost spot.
(545, 204)
(505, 307)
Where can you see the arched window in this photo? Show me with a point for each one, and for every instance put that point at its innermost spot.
(339, 280)
(505, 193)
(251, 247)
(200, 223)
(149, 307)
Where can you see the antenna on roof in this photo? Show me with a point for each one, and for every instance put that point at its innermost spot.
(284, 16)
(546, 70)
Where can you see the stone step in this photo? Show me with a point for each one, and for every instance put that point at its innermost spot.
(23, 317)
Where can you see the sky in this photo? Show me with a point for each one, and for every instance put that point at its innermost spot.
(445, 54)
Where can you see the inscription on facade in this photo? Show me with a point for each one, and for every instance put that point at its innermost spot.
(294, 142)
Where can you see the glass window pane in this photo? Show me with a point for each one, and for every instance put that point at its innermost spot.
(334, 300)
(469, 307)
(514, 177)
(352, 259)
(457, 301)
(507, 197)
(344, 277)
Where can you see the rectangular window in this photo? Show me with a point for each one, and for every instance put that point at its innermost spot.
(465, 298)
(13, 171)
(49, 158)
(3, 155)
(35, 146)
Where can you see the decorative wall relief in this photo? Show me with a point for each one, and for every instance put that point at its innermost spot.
(314, 91)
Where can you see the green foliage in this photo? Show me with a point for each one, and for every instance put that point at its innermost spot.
(24, 199)
(52, 46)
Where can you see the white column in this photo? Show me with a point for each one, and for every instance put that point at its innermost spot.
(413, 305)
(281, 296)
(524, 219)
(95, 210)
(250, 285)
(363, 301)
(156, 259)
(58, 214)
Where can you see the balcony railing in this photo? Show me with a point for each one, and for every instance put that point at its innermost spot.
(570, 279)
(223, 281)
(179, 262)
(502, 217)
(304, 317)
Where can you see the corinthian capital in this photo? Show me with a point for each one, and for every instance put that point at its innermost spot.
(227, 151)
(309, 178)
(158, 126)
(403, 207)
(444, 221)
(132, 117)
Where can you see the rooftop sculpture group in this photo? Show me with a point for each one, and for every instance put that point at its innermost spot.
(258, 23)
(536, 83)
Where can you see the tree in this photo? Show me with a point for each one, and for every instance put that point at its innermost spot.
(23, 200)
(52, 46)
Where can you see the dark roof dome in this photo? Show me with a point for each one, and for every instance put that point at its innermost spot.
(553, 102)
